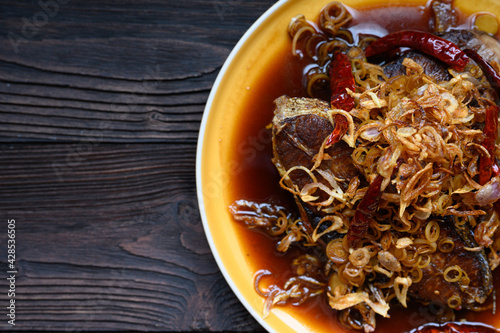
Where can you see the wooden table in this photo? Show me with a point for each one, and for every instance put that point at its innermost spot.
(100, 106)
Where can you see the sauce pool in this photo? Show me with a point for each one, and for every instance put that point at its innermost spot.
(258, 179)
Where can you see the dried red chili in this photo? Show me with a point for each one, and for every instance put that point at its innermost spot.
(487, 165)
(341, 79)
(430, 44)
(339, 130)
(364, 212)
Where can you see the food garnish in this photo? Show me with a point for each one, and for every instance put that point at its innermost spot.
(394, 173)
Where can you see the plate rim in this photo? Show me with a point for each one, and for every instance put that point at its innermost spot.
(199, 153)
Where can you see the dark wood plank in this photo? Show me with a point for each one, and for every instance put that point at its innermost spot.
(108, 232)
(116, 242)
(133, 70)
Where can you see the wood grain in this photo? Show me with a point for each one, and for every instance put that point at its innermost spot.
(134, 70)
(114, 243)
(100, 107)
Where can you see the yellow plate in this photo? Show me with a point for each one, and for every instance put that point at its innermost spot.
(214, 168)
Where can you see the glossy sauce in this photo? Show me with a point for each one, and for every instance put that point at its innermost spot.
(258, 180)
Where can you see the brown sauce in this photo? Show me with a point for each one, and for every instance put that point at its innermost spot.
(258, 180)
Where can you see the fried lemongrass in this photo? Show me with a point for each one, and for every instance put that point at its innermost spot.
(427, 139)
(261, 215)
(454, 301)
(334, 16)
(349, 300)
(336, 251)
(401, 285)
(453, 273)
(446, 245)
(296, 290)
(298, 28)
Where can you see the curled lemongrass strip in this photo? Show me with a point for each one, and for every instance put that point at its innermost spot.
(356, 280)
(411, 258)
(297, 28)
(432, 231)
(423, 261)
(286, 178)
(373, 233)
(257, 281)
(400, 224)
(315, 83)
(347, 319)
(453, 273)
(382, 270)
(336, 252)
(334, 16)
(446, 245)
(454, 301)
(359, 155)
(365, 40)
(335, 224)
(359, 71)
(360, 257)
(424, 246)
(341, 274)
(312, 44)
(415, 274)
(296, 23)
(345, 34)
(326, 49)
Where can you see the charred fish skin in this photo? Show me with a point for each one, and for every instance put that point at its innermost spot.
(300, 126)
(431, 67)
(485, 45)
(468, 280)
(481, 42)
